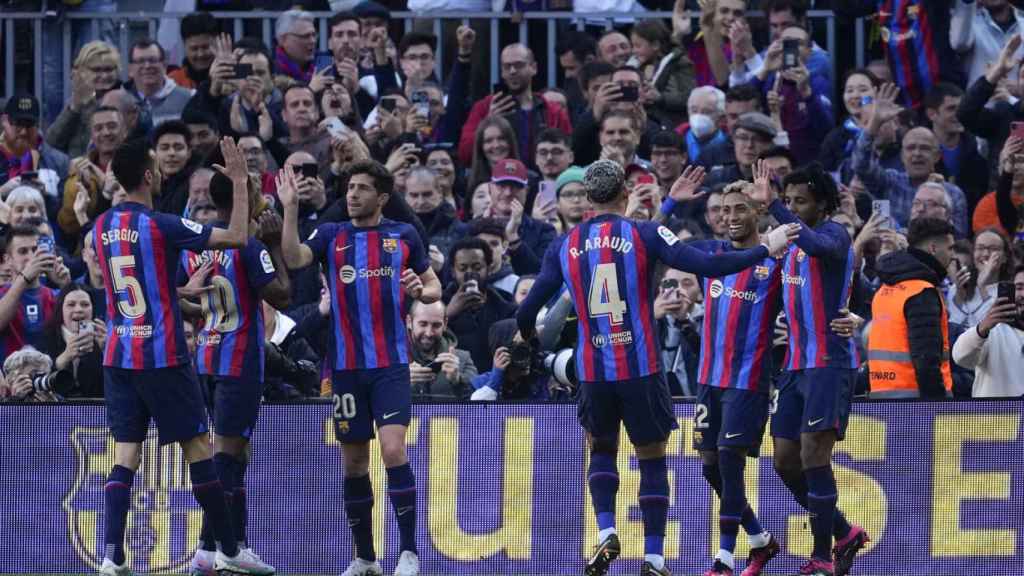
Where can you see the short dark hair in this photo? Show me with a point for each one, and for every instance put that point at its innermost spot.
(668, 139)
(343, 16)
(284, 95)
(633, 119)
(142, 44)
(131, 161)
(554, 136)
(252, 46)
(778, 152)
(472, 243)
(383, 180)
(654, 30)
(628, 68)
(820, 183)
(938, 94)
(196, 115)
(19, 231)
(171, 127)
(862, 72)
(581, 44)
(923, 229)
(222, 191)
(797, 7)
(415, 39)
(592, 70)
(198, 24)
(742, 93)
(99, 109)
(493, 226)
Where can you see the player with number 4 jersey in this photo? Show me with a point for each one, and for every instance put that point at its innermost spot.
(231, 285)
(147, 369)
(608, 264)
(373, 265)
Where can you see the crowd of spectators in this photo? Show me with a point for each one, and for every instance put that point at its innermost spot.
(929, 159)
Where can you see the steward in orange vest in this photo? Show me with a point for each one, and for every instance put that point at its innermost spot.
(908, 346)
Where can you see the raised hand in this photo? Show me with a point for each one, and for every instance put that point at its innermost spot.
(778, 239)
(465, 37)
(885, 108)
(685, 187)
(1007, 61)
(234, 160)
(196, 284)
(270, 227)
(1014, 146)
(763, 190)
(1002, 312)
(412, 284)
(287, 189)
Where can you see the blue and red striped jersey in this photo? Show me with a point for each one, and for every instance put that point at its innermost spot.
(35, 310)
(368, 304)
(139, 253)
(230, 341)
(916, 38)
(739, 322)
(608, 263)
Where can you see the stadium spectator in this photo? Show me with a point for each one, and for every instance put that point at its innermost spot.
(91, 279)
(204, 131)
(527, 238)
(993, 348)
(472, 305)
(592, 76)
(679, 313)
(511, 375)
(301, 116)
(974, 291)
(980, 30)
(296, 35)
(26, 305)
(95, 71)
(478, 204)
(703, 131)
(710, 49)
(575, 49)
(668, 157)
(963, 165)
(313, 199)
(200, 206)
(668, 74)
(88, 172)
(439, 368)
(908, 346)
(23, 150)
(424, 196)
(24, 371)
(137, 121)
(999, 209)
(501, 276)
(160, 96)
(198, 30)
(553, 155)
(993, 123)
(442, 159)
(517, 102)
(176, 163)
(494, 142)
(292, 366)
(753, 134)
(74, 340)
(859, 90)
(614, 48)
(25, 204)
(587, 144)
(739, 100)
(931, 201)
(920, 153)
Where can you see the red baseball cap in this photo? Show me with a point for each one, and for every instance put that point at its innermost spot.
(509, 170)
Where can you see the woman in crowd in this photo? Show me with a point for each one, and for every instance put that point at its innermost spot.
(495, 140)
(75, 341)
(95, 71)
(974, 287)
(478, 204)
(443, 160)
(668, 74)
(859, 89)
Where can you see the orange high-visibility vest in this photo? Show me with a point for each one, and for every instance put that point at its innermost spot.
(889, 364)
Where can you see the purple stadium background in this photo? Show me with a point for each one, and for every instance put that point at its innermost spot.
(940, 487)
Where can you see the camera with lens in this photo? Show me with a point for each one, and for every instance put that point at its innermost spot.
(560, 365)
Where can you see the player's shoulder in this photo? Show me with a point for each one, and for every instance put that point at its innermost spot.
(327, 230)
(388, 226)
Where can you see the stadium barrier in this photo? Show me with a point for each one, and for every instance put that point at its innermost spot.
(939, 486)
(127, 25)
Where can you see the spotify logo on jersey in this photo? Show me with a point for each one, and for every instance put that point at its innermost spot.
(716, 288)
(347, 274)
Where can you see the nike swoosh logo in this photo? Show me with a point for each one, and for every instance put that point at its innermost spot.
(730, 436)
(815, 422)
(404, 510)
(343, 248)
(389, 415)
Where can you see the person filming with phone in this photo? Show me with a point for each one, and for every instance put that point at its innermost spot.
(994, 348)
(75, 340)
(439, 368)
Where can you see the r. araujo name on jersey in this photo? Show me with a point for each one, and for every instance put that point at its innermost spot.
(813, 291)
(739, 316)
(138, 252)
(607, 269)
(230, 341)
(364, 273)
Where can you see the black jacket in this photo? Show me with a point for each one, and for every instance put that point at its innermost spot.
(992, 124)
(472, 327)
(923, 313)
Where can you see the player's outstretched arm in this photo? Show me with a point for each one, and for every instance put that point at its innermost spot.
(431, 287)
(278, 292)
(295, 254)
(237, 233)
(829, 241)
(547, 285)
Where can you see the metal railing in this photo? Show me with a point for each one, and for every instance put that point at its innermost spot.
(129, 24)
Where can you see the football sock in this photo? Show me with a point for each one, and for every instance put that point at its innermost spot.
(239, 506)
(713, 474)
(654, 495)
(228, 469)
(734, 502)
(359, 508)
(209, 492)
(116, 502)
(402, 493)
(797, 485)
(603, 478)
(821, 503)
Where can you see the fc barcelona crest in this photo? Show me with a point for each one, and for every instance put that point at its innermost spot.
(801, 255)
(390, 245)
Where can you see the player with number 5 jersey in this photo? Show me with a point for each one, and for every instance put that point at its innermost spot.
(608, 264)
(231, 285)
(147, 369)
